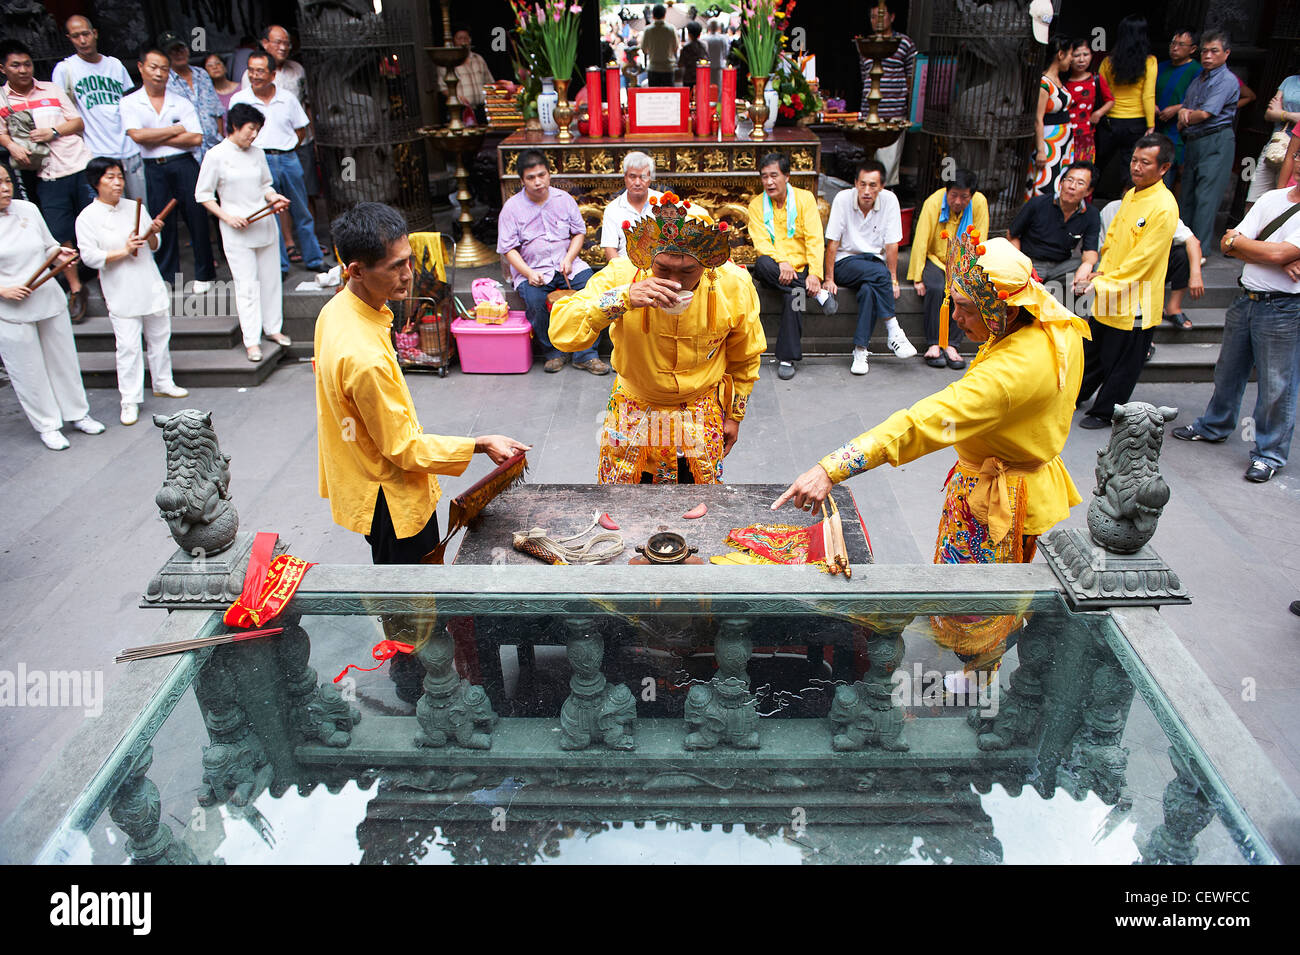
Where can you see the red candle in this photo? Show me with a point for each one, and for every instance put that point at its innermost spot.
(702, 110)
(595, 128)
(728, 97)
(612, 94)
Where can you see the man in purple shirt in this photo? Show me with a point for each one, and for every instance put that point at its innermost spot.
(540, 232)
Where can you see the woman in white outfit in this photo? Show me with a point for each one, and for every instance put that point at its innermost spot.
(36, 341)
(236, 171)
(133, 287)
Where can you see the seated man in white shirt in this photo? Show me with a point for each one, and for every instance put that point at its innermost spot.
(628, 206)
(862, 237)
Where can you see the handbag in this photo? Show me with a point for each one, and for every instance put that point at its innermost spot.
(20, 125)
(1275, 150)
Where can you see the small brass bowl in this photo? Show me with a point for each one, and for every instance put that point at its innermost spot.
(666, 548)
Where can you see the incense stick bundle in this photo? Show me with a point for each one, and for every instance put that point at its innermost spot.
(54, 271)
(45, 265)
(136, 230)
(132, 654)
(262, 213)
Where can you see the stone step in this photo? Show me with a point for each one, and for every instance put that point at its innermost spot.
(1207, 326)
(219, 332)
(193, 368)
(1193, 361)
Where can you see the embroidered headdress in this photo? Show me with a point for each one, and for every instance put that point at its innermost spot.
(677, 227)
(994, 275)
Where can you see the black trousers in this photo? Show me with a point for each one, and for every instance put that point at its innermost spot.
(789, 338)
(1112, 362)
(387, 548)
(1114, 150)
(176, 179)
(1179, 271)
(659, 79)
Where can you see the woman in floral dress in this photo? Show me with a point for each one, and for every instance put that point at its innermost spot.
(1052, 123)
(1090, 100)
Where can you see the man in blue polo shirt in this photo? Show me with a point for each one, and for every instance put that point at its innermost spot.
(1048, 228)
(1205, 122)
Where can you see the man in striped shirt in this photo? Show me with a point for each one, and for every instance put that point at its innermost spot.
(895, 85)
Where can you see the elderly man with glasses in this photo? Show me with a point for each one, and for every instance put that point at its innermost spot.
(629, 205)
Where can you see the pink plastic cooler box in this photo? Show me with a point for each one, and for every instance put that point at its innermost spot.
(504, 349)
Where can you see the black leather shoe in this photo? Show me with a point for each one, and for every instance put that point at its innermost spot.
(938, 361)
(785, 370)
(1295, 607)
(1188, 433)
(1090, 422)
(1259, 472)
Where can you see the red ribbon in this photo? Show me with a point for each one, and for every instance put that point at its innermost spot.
(383, 651)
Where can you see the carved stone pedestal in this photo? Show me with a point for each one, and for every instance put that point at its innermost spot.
(198, 581)
(452, 711)
(1187, 812)
(724, 710)
(864, 714)
(137, 810)
(236, 768)
(1018, 712)
(594, 711)
(317, 713)
(1096, 579)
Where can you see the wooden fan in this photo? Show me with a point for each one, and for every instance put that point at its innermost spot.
(466, 507)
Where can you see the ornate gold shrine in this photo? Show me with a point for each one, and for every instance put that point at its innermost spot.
(721, 176)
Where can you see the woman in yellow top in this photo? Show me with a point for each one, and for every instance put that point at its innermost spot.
(1007, 418)
(956, 206)
(1130, 71)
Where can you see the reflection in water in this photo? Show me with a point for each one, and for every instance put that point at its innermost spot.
(562, 739)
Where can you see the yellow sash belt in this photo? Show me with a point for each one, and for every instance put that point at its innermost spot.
(989, 501)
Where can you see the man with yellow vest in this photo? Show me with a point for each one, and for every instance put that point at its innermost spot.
(956, 207)
(683, 320)
(377, 465)
(1130, 281)
(785, 229)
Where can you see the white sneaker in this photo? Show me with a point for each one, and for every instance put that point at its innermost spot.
(130, 412)
(88, 425)
(201, 288)
(899, 344)
(54, 440)
(170, 390)
(859, 366)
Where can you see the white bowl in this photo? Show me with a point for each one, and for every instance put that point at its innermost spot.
(683, 303)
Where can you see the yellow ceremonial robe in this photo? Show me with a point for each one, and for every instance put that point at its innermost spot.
(928, 243)
(807, 247)
(367, 433)
(1135, 258)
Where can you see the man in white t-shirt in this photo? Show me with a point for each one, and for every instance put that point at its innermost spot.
(282, 133)
(1261, 331)
(165, 126)
(96, 84)
(629, 205)
(862, 236)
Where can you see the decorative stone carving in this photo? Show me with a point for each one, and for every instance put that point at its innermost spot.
(594, 711)
(1187, 812)
(865, 713)
(1116, 564)
(1098, 761)
(1130, 492)
(451, 710)
(137, 811)
(723, 710)
(236, 768)
(1018, 713)
(195, 496)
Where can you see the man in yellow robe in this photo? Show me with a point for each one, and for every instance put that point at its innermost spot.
(377, 464)
(685, 368)
(1007, 418)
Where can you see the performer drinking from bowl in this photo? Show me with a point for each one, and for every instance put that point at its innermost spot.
(684, 323)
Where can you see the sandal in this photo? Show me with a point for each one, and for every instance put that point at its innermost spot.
(1181, 320)
(294, 254)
